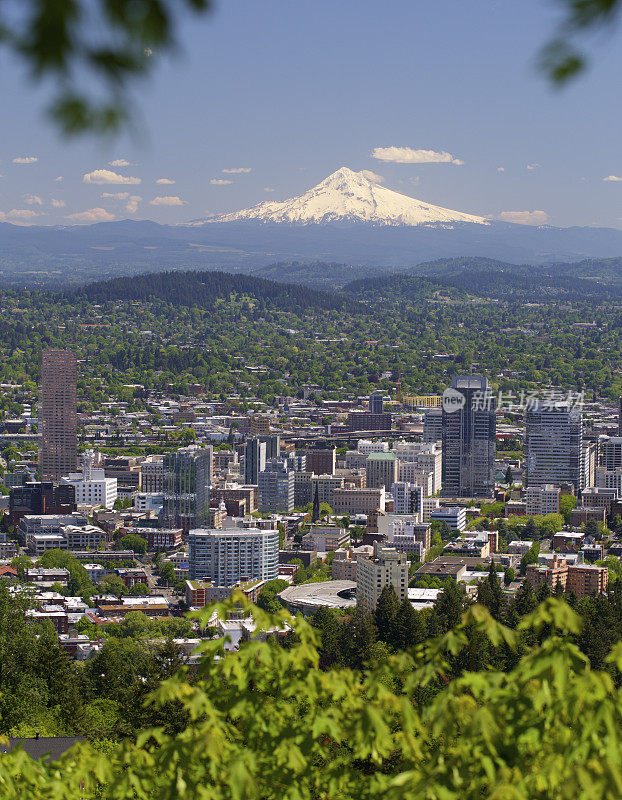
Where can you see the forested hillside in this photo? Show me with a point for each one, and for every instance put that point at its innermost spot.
(204, 288)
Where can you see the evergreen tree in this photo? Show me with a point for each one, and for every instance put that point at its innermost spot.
(358, 636)
(410, 628)
(508, 476)
(490, 593)
(450, 605)
(385, 615)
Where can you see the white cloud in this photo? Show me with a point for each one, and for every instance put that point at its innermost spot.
(165, 181)
(59, 179)
(612, 178)
(120, 162)
(107, 176)
(237, 170)
(20, 216)
(525, 217)
(92, 215)
(220, 182)
(500, 169)
(115, 195)
(58, 203)
(409, 155)
(372, 176)
(268, 189)
(33, 200)
(25, 160)
(167, 201)
(132, 204)
(533, 166)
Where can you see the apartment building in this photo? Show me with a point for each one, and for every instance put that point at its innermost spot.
(387, 567)
(227, 557)
(542, 500)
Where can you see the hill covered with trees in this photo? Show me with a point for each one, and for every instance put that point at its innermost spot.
(202, 289)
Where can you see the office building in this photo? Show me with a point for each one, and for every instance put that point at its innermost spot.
(542, 500)
(407, 498)
(620, 416)
(160, 538)
(91, 486)
(409, 472)
(469, 428)
(152, 474)
(126, 470)
(611, 453)
(302, 489)
(553, 445)
(259, 426)
(325, 486)
(227, 557)
(320, 460)
(366, 421)
(40, 498)
(273, 446)
(454, 517)
(187, 477)
(358, 501)
(606, 479)
(254, 460)
(86, 537)
(276, 488)
(387, 567)
(376, 402)
(324, 538)
(433, 425)
(381, 470)
(58, 415)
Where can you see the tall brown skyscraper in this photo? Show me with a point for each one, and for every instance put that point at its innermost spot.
(58, 419)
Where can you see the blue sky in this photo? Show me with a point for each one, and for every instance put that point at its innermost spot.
(292, 90)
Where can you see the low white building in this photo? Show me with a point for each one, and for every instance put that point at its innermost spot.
(92, 487)
(148, 501)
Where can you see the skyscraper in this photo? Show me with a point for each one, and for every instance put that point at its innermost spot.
(254, 460)
(376, 402)
(187, 477)
(553, 444)
(469, 430)
(58, 417)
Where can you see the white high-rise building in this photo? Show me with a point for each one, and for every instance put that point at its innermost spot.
(542, 500)
(226, 557)
(409, 472)
(91, 485)
(425, 456)
(387, 567)
(407, 498)
(609, 479)
(553, 446)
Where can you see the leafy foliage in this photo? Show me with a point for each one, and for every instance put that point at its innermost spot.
(268, 722)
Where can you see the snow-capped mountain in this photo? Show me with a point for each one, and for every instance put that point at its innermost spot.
(348, 196)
